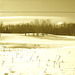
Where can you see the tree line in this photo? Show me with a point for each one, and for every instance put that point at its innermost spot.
(39, 26)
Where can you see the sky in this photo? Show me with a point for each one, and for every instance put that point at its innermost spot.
(58, 10)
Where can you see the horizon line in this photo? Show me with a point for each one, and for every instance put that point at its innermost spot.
(37, 11)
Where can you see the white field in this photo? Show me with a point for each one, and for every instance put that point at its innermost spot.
(32, 55)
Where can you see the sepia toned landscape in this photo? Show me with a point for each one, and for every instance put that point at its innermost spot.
(37, 37)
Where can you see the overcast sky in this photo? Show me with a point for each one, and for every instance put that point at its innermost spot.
(56, 8)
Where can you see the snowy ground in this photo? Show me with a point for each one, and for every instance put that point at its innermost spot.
(31, 55)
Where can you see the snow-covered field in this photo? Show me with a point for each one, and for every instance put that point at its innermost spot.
(32, 55)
